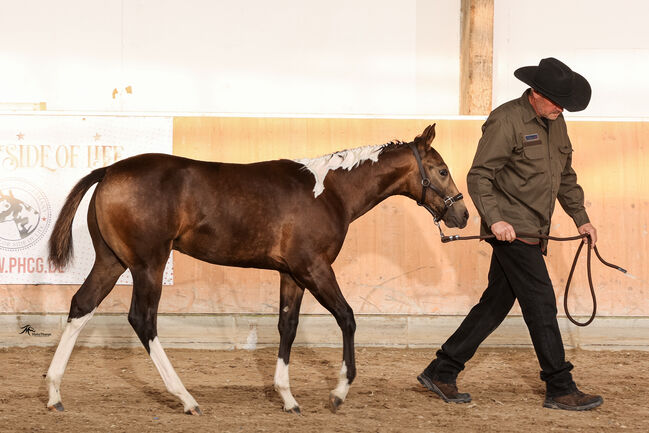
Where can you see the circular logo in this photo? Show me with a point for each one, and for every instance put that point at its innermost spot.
(25, 214)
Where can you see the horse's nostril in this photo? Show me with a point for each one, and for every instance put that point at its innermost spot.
(466, 214)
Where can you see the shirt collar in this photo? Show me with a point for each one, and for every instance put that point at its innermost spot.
(528, 111)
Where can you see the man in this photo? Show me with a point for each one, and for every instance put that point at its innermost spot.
(522, 165)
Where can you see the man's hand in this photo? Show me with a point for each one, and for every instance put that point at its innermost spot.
(588, 228)
(504, 231)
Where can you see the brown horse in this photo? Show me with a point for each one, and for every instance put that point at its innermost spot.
(269, 215)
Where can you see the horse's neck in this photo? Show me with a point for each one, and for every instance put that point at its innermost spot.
(368, 184)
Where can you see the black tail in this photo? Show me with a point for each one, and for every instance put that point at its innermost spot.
(61, 239)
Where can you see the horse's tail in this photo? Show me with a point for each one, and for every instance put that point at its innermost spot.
(61, 239)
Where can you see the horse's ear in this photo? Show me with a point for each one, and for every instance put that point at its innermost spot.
(429, 134)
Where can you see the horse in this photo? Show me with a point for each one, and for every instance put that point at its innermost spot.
(290, 216)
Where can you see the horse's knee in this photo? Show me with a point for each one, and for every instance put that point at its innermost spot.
(287, 325)
(351, 324)
(347, 322)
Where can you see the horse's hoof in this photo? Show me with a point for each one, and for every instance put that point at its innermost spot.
(334, 402)
(294, 410)
(58, 407)
(194, 411)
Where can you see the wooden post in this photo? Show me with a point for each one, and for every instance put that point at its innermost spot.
(476, 56)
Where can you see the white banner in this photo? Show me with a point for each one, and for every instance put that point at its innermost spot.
(41, 159)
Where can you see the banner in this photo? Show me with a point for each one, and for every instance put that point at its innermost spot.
(41, 159)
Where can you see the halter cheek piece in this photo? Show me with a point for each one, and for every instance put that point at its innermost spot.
(425, 185)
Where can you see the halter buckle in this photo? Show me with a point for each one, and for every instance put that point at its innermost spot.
(450, 201)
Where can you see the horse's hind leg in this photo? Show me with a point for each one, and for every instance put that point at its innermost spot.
(147, 288)
(320, 279)
(289, 312)
(103, 276)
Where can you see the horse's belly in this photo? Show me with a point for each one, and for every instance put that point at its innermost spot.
(227, 249)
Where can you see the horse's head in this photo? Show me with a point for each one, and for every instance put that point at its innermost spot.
(431, 184)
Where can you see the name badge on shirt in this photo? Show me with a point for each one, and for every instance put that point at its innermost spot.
(531, 137)
(531, 140)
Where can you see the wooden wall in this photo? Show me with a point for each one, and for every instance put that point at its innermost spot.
(393, 261)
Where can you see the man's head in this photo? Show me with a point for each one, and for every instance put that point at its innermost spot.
(555, 83)
(544, 107)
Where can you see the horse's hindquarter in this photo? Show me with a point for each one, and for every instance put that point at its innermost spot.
(137, 205)
(249, 215)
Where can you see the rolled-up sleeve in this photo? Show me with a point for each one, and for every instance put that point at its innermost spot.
(494, 151)
(571, 195)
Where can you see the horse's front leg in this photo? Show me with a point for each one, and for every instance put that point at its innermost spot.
(289, 313)
(321, 281)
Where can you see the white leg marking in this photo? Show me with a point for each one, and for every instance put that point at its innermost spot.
(169, 376)
(282, 385)
(62, 356)
(343, 384)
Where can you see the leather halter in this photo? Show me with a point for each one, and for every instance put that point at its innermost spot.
(426, 185)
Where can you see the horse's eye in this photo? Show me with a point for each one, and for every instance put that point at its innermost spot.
(443, 172)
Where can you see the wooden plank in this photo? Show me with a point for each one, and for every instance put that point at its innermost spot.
(476, 56)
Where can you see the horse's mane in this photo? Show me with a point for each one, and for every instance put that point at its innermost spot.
(346, 159)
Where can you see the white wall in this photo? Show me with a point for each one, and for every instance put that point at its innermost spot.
(238, 56)
(607, 42)
(385, 57)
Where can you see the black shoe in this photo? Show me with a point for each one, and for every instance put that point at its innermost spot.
(447, 391)
(576, 400)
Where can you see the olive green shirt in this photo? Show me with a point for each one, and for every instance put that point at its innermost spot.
(522, 165)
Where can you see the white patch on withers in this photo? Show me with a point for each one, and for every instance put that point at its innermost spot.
(282, 385)
(62, 356)
(343, 384)
(346, 159)
(169, 377)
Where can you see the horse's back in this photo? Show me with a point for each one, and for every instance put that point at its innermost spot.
(178, 179)
(232, 214)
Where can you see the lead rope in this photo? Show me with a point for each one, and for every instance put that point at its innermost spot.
(446, 239)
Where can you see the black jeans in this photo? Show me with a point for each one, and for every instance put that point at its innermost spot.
(517, 271)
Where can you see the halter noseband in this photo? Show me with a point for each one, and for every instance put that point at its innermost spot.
(426, 184)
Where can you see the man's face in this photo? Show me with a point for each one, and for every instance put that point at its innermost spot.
(544, 107)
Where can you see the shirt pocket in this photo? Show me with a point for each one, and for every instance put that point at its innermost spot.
(528, 161)
(534, 149)
(565, 151)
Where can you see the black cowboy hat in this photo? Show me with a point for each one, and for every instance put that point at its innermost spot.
(557, 82)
